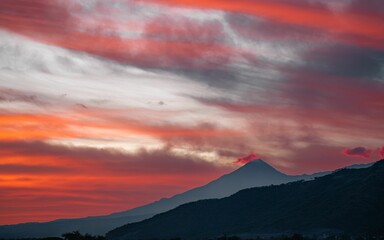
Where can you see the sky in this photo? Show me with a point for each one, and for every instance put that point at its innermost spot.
(109, 105)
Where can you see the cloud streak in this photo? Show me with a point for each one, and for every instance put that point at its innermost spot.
(288, 12)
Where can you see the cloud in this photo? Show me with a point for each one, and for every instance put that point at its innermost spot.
(34, 16)
(227, 153)
(185, 29)
(311, 107)
(357, 152)
(363, 7)
(345, 60)
(32, 57)
(10, 95)
(380, 152)
(21, 169)
(260, 29)
(109, 160)
(332, 95)
(226, 147)
(315, 157)
(112, 125)
(366, 28)
(249, 158)
(66, 26)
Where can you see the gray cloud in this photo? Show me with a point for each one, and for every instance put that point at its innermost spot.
(346, 61)
(357, 152)
(11, 95)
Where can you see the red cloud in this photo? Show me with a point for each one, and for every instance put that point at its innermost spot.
(380, 152)
(300, 15)
(164, 38)
(184, 29)
(357, 152)
(247, 159)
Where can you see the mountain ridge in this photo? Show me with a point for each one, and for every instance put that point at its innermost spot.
(346, 201)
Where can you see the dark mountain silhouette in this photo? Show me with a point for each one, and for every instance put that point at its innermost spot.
(254, 174)
(348, 200)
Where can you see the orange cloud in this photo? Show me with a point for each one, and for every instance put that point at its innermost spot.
(89, 124)
(33, 126)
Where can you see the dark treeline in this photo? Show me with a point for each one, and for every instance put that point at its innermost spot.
(297, 236)
(76, 235)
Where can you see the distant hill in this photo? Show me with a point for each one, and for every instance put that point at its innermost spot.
(255, 173)
(348, 200)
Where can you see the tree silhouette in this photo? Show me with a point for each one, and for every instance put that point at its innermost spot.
(76, 235)
(297, 236)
